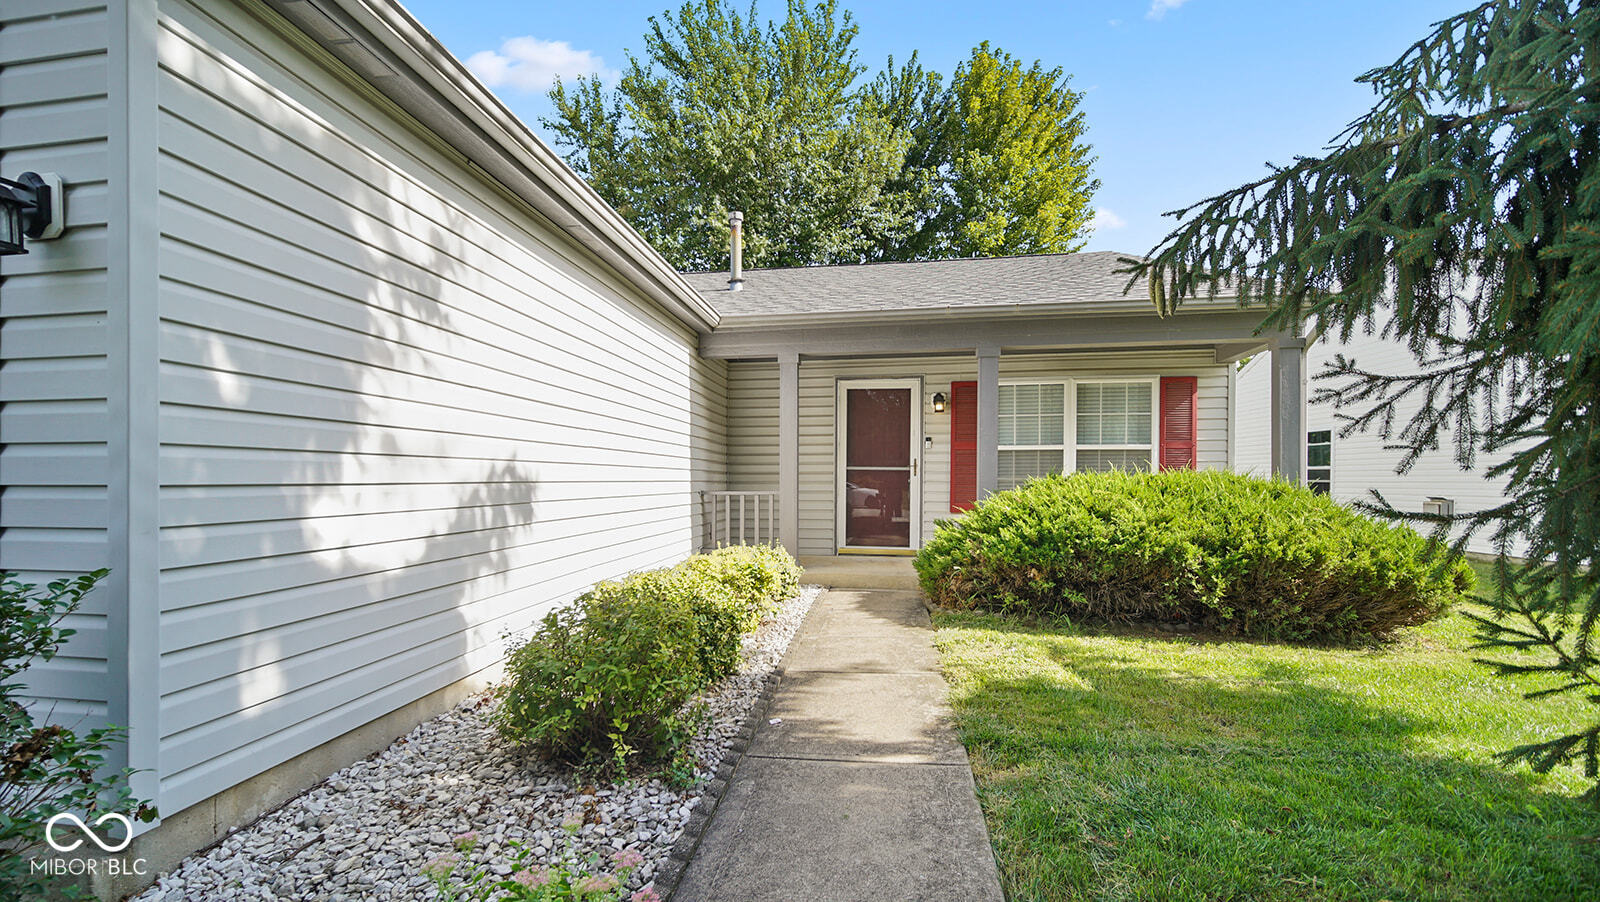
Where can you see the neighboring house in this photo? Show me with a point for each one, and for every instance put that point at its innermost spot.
(344, 374)
(1351, 468)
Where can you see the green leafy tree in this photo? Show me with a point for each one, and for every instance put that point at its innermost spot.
(998, 159)
(1461, 215)
(719, 113)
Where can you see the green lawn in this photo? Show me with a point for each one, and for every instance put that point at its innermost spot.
(1121, 765)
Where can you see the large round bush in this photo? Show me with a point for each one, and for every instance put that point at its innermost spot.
(1230, 553)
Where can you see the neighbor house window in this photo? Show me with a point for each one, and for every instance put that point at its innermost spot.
(1032, 432)
(1319, 461)
(1115, 425)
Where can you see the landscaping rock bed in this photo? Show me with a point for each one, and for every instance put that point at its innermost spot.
(367, 831)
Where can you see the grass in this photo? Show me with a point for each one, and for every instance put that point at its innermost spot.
(1126, 765)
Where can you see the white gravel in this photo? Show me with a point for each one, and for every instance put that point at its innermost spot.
(366, 831)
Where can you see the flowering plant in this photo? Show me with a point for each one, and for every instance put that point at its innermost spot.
(532, 880)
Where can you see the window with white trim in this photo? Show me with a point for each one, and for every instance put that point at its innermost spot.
(1114, 425)
(1111, 426)
(1032, 432)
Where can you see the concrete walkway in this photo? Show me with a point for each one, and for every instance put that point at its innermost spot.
(862, 789)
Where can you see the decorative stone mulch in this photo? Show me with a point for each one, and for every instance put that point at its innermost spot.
(367, 831)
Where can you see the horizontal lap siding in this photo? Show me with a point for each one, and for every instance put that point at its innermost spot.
(399, 417)
(752, 419)
(53, 414)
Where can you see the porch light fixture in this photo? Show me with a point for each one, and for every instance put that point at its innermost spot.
(30, 208)
(939, 402)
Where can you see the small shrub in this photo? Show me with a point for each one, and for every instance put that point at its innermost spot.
(50, 769)
(761, 577)
(604, 683)
(1234, 554)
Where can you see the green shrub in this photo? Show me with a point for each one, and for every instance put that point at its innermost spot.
(761, 577)
(1230, 553)
(47, 769)
(603, 683)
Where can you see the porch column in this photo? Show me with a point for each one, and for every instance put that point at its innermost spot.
(988, 419)
(1288, 409)
(789, 451)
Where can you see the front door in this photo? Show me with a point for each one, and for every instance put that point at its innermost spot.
(880, 488)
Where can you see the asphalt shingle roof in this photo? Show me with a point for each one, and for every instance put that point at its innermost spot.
(967, 282)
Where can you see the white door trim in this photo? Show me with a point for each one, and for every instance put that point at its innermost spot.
(841, 439)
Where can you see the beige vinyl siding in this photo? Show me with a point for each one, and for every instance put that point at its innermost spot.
(753, 430)
(400, 414)
(53, 383)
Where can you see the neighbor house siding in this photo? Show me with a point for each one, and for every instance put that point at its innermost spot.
(53, 339)
(752, 419)
(400, 415)
(1365, 461)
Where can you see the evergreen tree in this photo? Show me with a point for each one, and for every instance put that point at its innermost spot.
(1461, 215)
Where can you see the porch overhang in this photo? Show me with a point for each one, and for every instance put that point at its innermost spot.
(1231, 333)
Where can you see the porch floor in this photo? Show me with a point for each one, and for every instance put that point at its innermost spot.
(854, 571)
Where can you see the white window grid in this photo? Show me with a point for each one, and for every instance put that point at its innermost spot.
(1069, 446)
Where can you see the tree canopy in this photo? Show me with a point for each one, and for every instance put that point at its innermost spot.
(719, 112)
(1462, 216)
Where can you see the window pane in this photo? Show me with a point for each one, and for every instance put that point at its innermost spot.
(1321, 436)
(1008, 430)
(1052, 398)
(1017, 467)
(1319, 455)
(1139, 397)
(1113, 430)
(1051, 430)
(1008, 399)
(1027, 431)
(1101, 461)
(1089, 397)
(1088, 430)
(1027, 399)
(1139, 429)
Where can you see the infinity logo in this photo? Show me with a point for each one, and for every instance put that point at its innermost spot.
(127, 831)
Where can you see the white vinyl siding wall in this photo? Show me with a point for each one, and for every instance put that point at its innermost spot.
(1364, 462)
(53, 365)
(399, 415)
(753, 429)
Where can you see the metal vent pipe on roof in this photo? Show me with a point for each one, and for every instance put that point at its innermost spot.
(736, 246)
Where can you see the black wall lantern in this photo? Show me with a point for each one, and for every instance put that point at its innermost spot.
(30, 208)
(939, 402)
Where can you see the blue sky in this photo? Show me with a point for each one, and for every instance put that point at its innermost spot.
(1184, 98)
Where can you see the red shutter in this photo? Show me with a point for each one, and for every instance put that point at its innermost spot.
(963, 445)
(1178, 422)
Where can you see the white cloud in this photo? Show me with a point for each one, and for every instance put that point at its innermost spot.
(530, 64)
(1160, 8)
(1103, 218)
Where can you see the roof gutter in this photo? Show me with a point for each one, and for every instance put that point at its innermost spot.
(446, 97)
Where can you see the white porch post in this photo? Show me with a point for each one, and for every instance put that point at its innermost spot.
(988, 419)
(1288, 409)
(789, 451)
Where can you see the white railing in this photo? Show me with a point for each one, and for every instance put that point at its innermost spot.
(743, 518)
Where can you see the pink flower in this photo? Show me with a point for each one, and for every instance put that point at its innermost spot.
(596, 883)
(466, 840)
(439, 865)
(533, 878)
(648, 894)
(627, 858)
